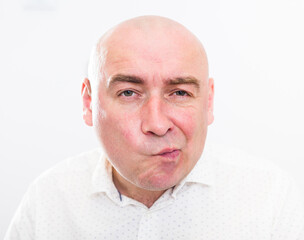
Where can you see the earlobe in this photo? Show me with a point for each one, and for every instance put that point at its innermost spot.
(86, 102)
(210, 100)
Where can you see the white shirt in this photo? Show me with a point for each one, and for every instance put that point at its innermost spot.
(227, 196)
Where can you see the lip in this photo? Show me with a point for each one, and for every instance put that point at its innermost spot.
(170, 153)
(166, 150)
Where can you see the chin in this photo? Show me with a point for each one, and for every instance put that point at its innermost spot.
(159, 182)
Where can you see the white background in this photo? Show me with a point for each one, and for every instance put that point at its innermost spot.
(256, 57)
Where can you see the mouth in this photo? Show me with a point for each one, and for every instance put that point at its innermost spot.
(169, 153)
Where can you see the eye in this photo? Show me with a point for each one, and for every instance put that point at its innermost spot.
(181, 93)
(127, 93)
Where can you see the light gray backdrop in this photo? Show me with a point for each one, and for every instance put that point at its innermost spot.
(256, 56)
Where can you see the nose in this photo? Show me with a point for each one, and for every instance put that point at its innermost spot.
(155, 117)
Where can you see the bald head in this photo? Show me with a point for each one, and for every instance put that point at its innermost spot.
(154, 37)
(150, 94)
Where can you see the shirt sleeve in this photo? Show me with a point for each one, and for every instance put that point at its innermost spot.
(288, 222)
(23, 223)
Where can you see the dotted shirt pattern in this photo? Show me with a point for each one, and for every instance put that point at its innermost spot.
(227, 196)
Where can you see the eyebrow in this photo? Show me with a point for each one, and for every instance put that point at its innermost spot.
(137, 80)
(184, 80)
(124, 78)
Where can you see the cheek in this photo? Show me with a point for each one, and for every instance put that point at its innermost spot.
(193, 124)
(117, 130)
(191, 121)
(129, 133)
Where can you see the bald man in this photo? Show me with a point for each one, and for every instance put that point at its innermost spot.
(149, 98)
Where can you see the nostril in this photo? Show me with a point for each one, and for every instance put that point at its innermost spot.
(159, 132)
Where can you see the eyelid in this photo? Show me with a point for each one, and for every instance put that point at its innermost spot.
(182, 91)
(189, 94)
(119, 93)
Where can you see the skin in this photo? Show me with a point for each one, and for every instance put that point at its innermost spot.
(153, 129)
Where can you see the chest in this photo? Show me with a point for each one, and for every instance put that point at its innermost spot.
(193, 214)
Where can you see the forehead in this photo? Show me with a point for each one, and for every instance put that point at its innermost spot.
(154, 55)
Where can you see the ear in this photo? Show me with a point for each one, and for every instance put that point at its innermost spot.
(210, 100)
(87, 102)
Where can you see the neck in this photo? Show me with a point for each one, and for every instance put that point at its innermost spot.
(128, 189)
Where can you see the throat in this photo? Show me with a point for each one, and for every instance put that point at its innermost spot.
(144, 196)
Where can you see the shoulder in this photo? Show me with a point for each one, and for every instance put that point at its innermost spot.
(239, 168)
(71, 171)
(228, 157)
(254, 180)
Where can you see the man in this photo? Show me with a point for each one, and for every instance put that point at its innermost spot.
(150, 101)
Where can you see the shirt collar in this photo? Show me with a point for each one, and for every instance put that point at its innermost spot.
(202, 173)
(102, 177)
